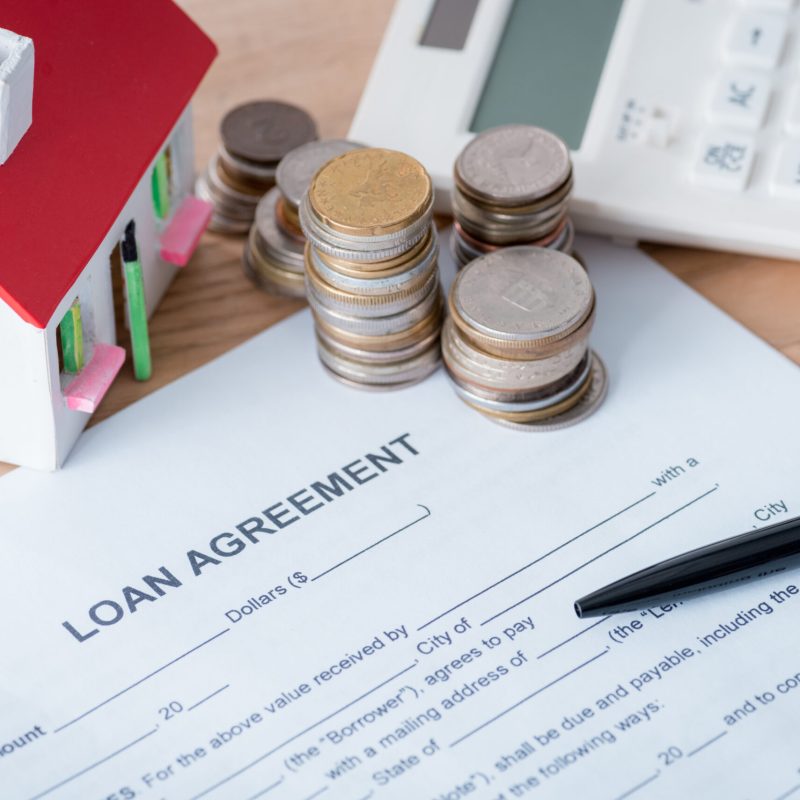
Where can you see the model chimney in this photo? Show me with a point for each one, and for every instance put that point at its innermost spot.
(16, 89)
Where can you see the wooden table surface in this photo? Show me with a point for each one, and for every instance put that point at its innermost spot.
(318, 54)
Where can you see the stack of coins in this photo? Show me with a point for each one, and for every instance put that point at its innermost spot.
(273, 257)
(516, 342)
(371, 269)
(512, 186)
(255, 137)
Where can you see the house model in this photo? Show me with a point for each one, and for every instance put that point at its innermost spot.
(96, 210)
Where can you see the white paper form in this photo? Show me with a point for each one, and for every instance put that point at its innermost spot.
(259, 584)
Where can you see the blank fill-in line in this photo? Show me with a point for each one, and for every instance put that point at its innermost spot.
(571, 638)
(706, 744)
(638, 786)
(141, 680)
(96, 764)
(375, 544)
(208, 697)
(527, 697)
(789, 793)
(317, 793)
(535, 561)
(268, 789)
(302, 733)
(600, 555)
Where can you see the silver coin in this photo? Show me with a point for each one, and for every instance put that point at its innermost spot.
(361, 305)
(566, 241)
(377, 285)
(376, 374)
(507, 235)
(219, 224)
(478, 400)
(298, 167)
(377, 326)
(272, 280)
(503, 374)
(462, 250)
(513, 214)
(377, 356)
(514, 164)
(523, 225)
(522, 294)
(222, 204)
(217, 183)
(271, 237)
(247, 169)
(376, 387)
(585, 407)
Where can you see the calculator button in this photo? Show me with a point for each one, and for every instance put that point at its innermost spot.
(756, 39)
(740, 99)
(793, 119)
(786, 178)
(724, 160)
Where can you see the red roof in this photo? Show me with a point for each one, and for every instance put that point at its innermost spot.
(110, 81)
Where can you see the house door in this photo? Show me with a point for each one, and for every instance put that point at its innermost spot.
(130, 308)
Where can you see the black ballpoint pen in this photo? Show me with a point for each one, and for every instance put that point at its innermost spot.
(722, 565)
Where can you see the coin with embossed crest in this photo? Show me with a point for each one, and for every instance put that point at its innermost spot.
(266, 130)
(516, 345)
(513, 164)
(512, 187)
(371, 192)
(521, 297)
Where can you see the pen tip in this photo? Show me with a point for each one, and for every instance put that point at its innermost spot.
(578, 609)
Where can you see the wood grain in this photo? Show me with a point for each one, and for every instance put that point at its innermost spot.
(318, 54)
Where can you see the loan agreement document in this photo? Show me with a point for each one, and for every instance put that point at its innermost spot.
(260, 584)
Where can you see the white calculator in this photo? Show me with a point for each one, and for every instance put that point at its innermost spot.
(683, 116)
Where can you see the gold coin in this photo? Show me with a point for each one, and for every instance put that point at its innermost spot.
(370, 192)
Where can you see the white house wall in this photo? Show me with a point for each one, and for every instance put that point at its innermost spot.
(94, 288)
(26, 420)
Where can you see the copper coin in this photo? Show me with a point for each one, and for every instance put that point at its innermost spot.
(265, 131)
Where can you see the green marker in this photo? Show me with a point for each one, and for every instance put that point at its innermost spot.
(71, 331)
(160, 187)
(137, 308)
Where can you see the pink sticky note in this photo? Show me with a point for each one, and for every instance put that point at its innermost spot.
(183, 233)
(89, 388)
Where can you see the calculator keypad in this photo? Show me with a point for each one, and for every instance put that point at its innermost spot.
(756, 39)
(740, 99)
(749, 92)
(786, 177)
(724, 160)
(792, 123)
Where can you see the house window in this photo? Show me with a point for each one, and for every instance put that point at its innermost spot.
(161, 184)
(70, 341)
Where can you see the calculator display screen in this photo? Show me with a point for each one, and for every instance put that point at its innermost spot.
(547, 66)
